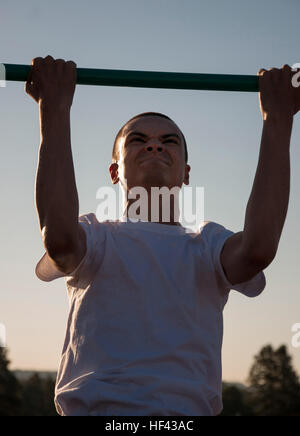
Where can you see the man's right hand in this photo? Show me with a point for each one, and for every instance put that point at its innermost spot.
(52, 82)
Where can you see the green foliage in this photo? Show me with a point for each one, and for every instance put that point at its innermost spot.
(235, 402)
(38, 395)
(10, 388)
(33, 397)
(275, 387)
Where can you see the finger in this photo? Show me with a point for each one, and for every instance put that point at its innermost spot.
(275, 75)
(264, 82)
(36, 61)
(270, 77)
(29, 78)
(287, 73)
(261, 72)
(60, 64)
(49, 59)
(31, 90)
(28, 88)
(72, 64)
(286, 70)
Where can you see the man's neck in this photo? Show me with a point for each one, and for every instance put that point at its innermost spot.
(161, 211)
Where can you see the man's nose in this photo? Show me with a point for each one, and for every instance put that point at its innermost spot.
(155, 146)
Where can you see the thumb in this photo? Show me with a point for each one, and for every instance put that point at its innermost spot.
(32, 91)
(30, 87)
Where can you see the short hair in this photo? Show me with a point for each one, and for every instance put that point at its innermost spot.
(115, 152)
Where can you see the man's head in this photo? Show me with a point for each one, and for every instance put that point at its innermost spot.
(150, 150)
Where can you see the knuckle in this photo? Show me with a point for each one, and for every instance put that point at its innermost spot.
(48, 60)
(71, 63)
(36, 60)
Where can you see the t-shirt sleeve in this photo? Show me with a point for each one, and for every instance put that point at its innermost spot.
(215, 236)
(46, 271)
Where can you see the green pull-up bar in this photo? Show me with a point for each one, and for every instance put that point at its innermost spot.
(150, 79)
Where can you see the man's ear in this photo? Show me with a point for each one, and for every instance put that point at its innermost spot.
(114, 173)
(187, 170)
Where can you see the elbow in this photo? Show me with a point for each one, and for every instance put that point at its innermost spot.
(261, 259)
(261, 254)
(58, 246)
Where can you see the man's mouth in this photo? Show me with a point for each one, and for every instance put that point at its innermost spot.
(155, 159)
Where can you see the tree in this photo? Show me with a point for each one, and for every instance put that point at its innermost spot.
(235, 402)
(275, 387)
(38, 397)
(10, 388)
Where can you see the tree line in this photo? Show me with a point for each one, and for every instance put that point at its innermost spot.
(31, 397)
(273, 389)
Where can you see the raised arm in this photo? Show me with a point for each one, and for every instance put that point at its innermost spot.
(248, 252)
(51, 84)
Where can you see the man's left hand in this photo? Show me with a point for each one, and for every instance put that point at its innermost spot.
(277, 95)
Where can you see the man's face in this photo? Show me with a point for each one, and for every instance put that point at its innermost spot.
(151, 154)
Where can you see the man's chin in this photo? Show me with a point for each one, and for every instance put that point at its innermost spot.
(153, 180)
(154, 162)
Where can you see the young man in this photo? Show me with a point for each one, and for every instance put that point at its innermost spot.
(145, 329)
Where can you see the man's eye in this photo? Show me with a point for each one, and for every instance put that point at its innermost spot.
(137, 140)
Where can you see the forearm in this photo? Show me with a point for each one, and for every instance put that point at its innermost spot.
(268, 203)
(56, 193)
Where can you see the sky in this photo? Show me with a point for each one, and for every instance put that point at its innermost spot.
(222, 130)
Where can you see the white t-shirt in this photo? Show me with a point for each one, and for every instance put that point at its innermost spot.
(145, 328)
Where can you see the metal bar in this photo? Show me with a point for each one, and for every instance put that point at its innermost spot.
(150, 79)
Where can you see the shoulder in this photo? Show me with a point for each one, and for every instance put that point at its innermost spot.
(213, 234)
(96, 231)
(211, 227)
(92, 220)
